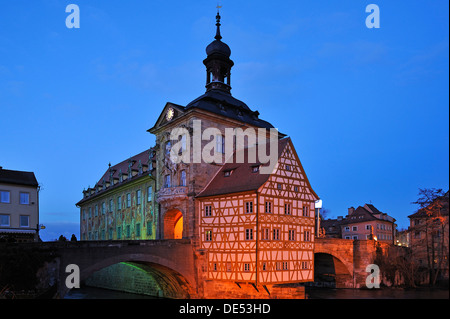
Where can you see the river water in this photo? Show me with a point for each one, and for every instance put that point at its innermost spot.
(312, 293)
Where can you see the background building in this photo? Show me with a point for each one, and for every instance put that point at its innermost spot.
(19, 206)
(360, 224)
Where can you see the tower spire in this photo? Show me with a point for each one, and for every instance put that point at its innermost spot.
(218, 36)
(218, 63)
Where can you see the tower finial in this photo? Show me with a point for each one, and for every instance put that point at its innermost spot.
(218, 36)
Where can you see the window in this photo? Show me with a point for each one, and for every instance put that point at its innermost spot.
(354, 228)
(276, 234)
(280, 186)
(268, 207)
(96, 211)
(208, 211)
(128, 200)
(168, 147)
(288, 167)
(246, 267)
(183, 178)
(208, 235)
(4, 220)
(119, 203)
(110, 233)
(347, 237)
(296, 189)
(287, 209)
(138, 230)
(265, 234)
(119, 232)
(306, 235)
(278, 265)
(149, 229)
(305, 265)
(128, 231)
(103, 208)
(227, 173)
(285, 265)
(183, 143)
(291, 234)
(249, 207)
(368, 227)
(264, 266)
(305, 211)
(111, 205)
(138, 197)
(149, 193)
(167, 181)
(24, 199)
(249, 234)
(90, 212)
(229, 268)
(215, 266)
(84, 214)
(355, 237)
(103, 234)
(5, 197)
(220, 144)
(347, 228)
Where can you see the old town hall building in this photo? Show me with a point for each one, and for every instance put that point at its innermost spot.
(250, 226)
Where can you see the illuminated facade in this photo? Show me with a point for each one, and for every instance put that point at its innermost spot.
(121, 204)
(259, 228)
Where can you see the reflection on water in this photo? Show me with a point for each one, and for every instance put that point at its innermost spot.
(386, 293)
(312, 293)
(99, 293)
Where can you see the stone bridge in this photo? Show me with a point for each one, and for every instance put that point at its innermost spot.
(341, 263)
(170, 261)
(176, 267)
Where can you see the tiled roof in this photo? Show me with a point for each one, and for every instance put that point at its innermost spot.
(241, 178)
(17, 177)
(123, 166)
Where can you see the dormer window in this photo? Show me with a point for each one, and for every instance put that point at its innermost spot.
(227, 173)
(140, 168)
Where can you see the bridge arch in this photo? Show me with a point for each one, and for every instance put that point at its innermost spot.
(173, 227)
(333, 265)
(167, 273)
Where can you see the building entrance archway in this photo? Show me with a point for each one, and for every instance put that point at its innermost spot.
(173, 224)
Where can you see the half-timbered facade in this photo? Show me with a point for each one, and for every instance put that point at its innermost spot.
(259, 228)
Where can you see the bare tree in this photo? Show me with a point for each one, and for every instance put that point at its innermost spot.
(432, 219)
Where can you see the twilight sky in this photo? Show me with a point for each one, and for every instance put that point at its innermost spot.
(367, 109)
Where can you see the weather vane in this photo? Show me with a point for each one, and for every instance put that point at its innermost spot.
(218, 6)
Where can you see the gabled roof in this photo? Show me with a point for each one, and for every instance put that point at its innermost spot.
(18, 177)
(241, 178)
(219, 103)
(361, 214)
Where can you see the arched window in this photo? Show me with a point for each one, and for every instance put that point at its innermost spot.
(183, 178)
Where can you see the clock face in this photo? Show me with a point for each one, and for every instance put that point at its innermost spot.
(169, 114)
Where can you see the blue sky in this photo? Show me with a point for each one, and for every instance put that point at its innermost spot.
(367, 109)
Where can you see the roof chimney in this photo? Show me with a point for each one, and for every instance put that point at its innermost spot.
(351, 210)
